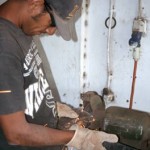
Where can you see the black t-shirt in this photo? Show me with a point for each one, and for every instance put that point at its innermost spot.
(23, 84)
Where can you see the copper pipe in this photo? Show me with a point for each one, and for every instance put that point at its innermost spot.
(133, 85)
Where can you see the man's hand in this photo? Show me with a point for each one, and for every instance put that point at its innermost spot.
(85, 139)
(65, 111)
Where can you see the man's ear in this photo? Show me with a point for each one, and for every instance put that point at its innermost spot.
(35, 6)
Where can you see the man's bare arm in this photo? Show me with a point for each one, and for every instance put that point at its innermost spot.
(18, 131)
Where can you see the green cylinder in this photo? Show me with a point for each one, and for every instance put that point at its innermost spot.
(131, 126)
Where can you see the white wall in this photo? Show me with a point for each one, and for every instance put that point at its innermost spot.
(65, 64)
(66, 60)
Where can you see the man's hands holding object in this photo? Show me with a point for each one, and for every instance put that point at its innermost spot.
(84, 138)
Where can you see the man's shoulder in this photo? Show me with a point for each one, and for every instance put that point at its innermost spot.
(7, 29)
(4, 30)
(12, 38)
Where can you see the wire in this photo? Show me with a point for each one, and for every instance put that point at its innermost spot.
(112, 7)
(140, 9)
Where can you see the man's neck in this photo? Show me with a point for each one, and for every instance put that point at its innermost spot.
(11, 12)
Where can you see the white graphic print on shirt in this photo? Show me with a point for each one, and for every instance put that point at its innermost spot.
(38, 90)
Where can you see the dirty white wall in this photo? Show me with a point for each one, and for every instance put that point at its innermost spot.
(66, 58)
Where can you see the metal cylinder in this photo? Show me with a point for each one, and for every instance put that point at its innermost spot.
(131, 126)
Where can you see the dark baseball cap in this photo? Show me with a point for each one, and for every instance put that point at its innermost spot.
(63, 13)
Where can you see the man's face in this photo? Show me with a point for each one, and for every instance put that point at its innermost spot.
(38, 22)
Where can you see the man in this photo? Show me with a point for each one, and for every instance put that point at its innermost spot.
(28, 116)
